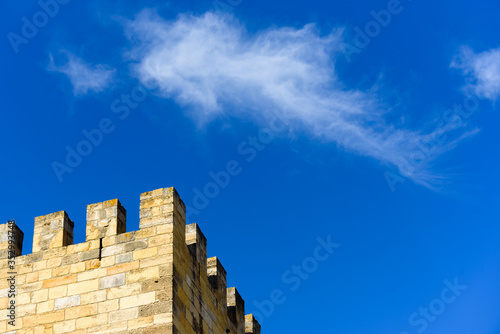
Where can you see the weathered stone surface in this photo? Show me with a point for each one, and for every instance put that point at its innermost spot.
(112, 281)
(52, 231)
(154, 280)
(66, 302)
(105, 219)
(11, 240)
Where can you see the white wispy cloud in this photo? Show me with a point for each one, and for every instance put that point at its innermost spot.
(211, 64)
(84, 77)
(481, 70)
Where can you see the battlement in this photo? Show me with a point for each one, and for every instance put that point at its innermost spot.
(157, 279)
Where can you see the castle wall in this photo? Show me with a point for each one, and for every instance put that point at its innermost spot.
(154, 280)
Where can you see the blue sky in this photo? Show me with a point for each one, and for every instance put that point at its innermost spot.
(370, 126)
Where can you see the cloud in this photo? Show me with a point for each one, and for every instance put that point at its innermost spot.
(84, 77)
(481, 70)
(212, 65)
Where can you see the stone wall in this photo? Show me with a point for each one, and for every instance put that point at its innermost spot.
(154, 280)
